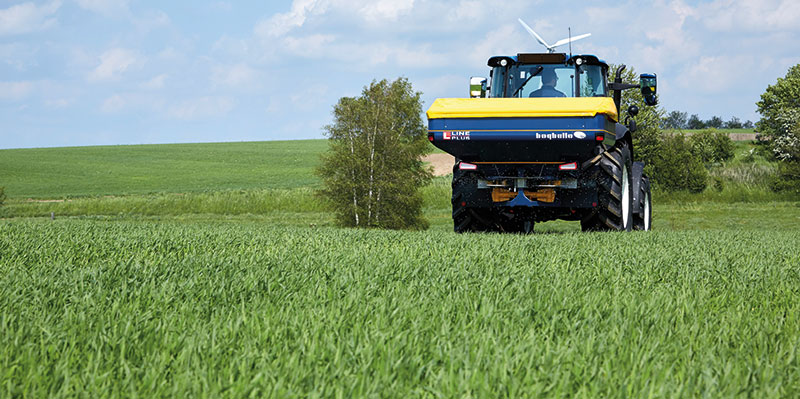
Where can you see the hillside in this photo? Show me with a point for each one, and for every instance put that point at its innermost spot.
(158, 168)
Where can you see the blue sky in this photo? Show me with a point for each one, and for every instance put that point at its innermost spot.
(89, 72)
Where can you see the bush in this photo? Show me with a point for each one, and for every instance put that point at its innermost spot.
(2, 195)
(675, 168)
(711, 146)
(788, 178)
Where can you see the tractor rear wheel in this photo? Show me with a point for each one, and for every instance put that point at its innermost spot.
(643, 219)
(614, 210)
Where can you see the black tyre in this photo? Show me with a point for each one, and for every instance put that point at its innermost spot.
(614, 210)
(643, 219)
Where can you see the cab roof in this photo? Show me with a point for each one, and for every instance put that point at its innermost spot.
(544, 58)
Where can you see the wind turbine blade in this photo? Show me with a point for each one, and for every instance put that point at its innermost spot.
(565, 41)
(536, 36)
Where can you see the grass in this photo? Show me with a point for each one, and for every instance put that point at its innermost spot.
(172, 168)
(212, 270)
(217, 309)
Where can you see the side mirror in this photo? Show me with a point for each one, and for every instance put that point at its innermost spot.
(477, 87)
(647, 82)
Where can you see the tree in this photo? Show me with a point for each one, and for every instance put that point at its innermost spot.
(676, 120)
(695, 122)
(778, 100)
(734, 123)
(780, 110)
(715, 122)
(372, 171)
(748, 125)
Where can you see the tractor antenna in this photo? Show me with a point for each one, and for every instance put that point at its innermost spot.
(569, 32)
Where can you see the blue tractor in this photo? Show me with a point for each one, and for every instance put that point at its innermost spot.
(541, 140)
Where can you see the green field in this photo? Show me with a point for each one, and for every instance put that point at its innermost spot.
(212, 270)
(116, 308)
(144, 169)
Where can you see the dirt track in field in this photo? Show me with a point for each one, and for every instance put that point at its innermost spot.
(442, 163)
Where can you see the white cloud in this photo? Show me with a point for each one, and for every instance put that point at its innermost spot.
(376, 11)
(156, 83)
(108, 8)
(202, 107)
(280, 24)
(28, 17)
(113, 63)
(15, 90)
(751, 15)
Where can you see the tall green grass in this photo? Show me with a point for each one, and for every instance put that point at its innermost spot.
(140, 309)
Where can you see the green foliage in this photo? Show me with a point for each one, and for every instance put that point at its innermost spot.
(780, 111)
(2, 195)
(668, 158)
(788, 178)
(711, 146)
(676, 168)
(675, 120)
(696, 123)
(372, 172)
(173, 309)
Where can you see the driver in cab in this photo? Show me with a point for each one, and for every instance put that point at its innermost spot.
(548, 89)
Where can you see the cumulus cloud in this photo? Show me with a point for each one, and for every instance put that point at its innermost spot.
(280, 24)
(375, 11)
(751, 15)
(113, 63)
(202, 107)
(27, 18)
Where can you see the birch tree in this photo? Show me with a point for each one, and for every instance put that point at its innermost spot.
(372, 171)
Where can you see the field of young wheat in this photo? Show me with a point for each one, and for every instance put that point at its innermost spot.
(220, 308)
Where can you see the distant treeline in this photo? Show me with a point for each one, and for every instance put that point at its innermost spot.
(682, 120)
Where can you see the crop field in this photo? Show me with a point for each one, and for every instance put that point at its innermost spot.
(212, 270)
(157, 168)
(107, 308)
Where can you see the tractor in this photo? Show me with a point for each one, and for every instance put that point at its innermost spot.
(541, 139)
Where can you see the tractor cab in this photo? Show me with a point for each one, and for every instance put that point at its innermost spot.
(544, 75)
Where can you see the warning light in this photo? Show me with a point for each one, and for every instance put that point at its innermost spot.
(430, 137)
(594, 204)
(467, 166)
(599, 137)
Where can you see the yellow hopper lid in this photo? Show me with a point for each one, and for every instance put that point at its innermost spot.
(522, 107)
